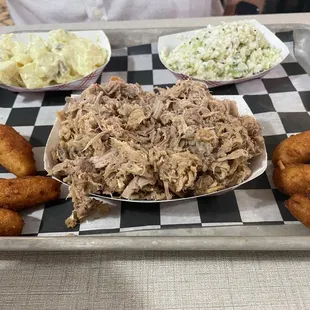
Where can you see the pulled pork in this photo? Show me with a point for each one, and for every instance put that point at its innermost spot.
(119, 140)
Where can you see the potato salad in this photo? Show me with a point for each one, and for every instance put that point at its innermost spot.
(61, 58)
(225, 52)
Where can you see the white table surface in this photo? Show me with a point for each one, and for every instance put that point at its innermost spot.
(156, 280)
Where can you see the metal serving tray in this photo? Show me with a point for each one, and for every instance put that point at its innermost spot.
(253, 237)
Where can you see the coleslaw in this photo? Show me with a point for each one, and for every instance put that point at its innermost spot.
(225, 52)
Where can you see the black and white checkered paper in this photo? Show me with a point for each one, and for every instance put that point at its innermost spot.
(280, 102)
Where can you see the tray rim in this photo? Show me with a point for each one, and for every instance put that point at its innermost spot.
(147, 243)
(256, 237)
(189, 242)
(156, 28)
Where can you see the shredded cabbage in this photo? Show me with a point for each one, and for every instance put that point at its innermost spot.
(225, 52)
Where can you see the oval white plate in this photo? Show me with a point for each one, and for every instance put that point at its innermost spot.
(169, 42)
(258, 164)
(96, 36)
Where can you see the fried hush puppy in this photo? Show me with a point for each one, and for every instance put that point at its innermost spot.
(299, 206)
(293, 150)
(21, 193)
(16, 152)
(292, 174)
(11, 223)
(293, 179)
